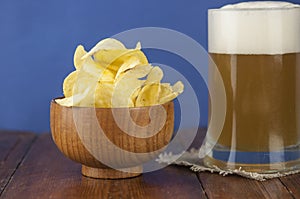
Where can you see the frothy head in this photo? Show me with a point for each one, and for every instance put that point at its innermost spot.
(260, 27)
(261, 5)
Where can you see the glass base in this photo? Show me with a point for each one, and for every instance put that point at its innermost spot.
(260, 162)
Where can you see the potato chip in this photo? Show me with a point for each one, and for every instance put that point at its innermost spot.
(69, 84)
(178, 87)
(127, 84)
(75, 85)
(108, 58)
(135, 94)
(73, 100)
(137, 72)
(165, 89)
(155, 75)
(138, 46)
(128, 64)
(136, 53)
(77, 82)
(103, 94)
(167, 98)
(83, 81)
(149, 95)
(89, 66)
(171, 93)
(114, 59)
(123, 91)
(105, 44)
(110, 75)
(79, 53)
(96, 70)
(107, 76)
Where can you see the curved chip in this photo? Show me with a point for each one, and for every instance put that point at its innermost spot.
(69, 84)
(77, 82)
(83, 81)
(149, 95)
(170, 92)
(79, 53)
(105, 44)
(138, 46)
(128, 64)
(127, 84)
(110, 75)
(137, 72)
(114, 59)
(103, 94)
(178, 87)
(155, 75)
(73, 100)
(166, 89)
(135, 94)
(123, 91)
(96, 70)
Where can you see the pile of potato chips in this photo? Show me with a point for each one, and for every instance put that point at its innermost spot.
(110, 75)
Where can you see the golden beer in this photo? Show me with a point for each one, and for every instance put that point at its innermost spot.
(256, 48)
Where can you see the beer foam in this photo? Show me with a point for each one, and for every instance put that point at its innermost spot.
(262, 27)
(260, 5)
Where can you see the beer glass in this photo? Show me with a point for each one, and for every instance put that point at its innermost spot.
(256, 48)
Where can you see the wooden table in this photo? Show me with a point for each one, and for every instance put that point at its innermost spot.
(32, 167)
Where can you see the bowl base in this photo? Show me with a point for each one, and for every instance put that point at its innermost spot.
(108, 173)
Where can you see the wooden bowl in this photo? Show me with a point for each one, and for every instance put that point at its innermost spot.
(112, 143)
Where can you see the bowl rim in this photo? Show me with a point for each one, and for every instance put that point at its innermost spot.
(106, 108)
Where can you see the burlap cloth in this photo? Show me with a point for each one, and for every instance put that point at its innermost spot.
(191, 159)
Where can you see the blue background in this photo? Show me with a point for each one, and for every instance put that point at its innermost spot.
(38, 39)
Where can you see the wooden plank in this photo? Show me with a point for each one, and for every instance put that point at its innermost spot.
(46, 173)
(13, 147)
(292, 183)
(217, 186)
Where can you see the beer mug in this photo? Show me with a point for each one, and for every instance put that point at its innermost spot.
(256, 48)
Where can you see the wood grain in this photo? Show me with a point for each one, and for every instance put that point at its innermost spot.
(92, 136)
(46, 173)
(217, 186)
(13, 147)
(292, 183)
